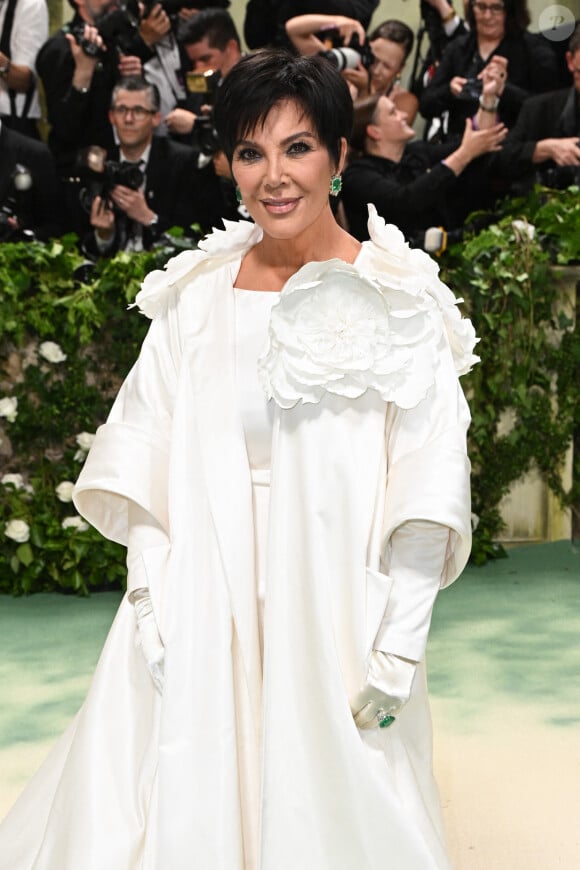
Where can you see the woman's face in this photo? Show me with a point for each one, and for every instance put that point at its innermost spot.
(283, 172)
(389, 61)
(489, 19)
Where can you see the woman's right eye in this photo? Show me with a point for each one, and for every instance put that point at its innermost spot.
(247, 154)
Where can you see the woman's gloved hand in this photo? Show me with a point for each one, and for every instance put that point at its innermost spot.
(388, 688)
(149, 637)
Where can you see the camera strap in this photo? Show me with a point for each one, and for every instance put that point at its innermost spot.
(5, 49)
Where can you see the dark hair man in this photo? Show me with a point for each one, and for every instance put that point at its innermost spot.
(211, 42)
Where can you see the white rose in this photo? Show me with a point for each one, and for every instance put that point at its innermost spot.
(77, 523)
(17, 530)
(523, 231)
(16, 480)
(9, 408)
(85, 440)
(64, 491)
(51, 351)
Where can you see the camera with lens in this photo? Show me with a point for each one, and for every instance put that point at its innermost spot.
(347, 56)
(204, 138)
(472, 90)
(118, 28)
(102, 175)
(11, 221)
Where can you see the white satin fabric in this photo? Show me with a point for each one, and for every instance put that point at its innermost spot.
(241, 766)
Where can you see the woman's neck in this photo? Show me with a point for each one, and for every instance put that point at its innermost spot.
(486, 46)
(273, 261)
(389, 150)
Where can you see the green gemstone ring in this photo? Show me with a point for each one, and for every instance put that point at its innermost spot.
(384, 719)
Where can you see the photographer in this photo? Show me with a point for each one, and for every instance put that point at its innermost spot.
(23, 29)
(211, 42)
(497, 30)
(544, 145)
(376, 62)
(78, 72)
(159, 28)
(147, 185)
(29, 193)
(416, 185)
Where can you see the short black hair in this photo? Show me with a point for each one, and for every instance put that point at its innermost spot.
(138, 84)
(394, 31)
(215, 24)
(262, 80)
(517, 16)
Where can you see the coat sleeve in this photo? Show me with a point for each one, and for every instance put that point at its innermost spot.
(428, 471)
(427, 519)
(129, 459)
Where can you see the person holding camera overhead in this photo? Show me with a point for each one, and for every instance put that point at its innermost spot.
(370, 65)
(497, 30)
(150, 185)
(417, 185)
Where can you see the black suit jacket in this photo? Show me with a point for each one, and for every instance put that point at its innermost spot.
(545, 116)
(38, 208)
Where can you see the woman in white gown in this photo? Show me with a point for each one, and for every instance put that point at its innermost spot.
(286, 464)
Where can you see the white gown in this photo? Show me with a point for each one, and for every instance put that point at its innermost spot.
(209, 776)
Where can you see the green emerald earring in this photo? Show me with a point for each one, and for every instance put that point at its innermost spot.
(238, 194)
(335, 185)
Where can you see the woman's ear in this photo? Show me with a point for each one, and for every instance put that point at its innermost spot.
(342, 156)
(373, 132)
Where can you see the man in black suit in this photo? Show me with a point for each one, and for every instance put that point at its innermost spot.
(29, 193)
(160, 190)
(545, 141)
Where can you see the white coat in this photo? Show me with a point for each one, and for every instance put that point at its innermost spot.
(238, 767)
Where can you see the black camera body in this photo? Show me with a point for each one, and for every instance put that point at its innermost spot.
(102, 180)
(118, 28)
(472, 90)
(559, 177)
(13, 209)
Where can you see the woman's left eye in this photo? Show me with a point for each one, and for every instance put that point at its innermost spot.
(298, 148)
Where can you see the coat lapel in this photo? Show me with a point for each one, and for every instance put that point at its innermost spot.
(225, 461)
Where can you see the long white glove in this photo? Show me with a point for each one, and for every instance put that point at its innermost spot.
(388, 688)
(149, 637)
(144, 533)
(415, 560)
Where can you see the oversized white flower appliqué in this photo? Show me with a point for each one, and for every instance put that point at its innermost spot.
(335, 331)
(393, 262)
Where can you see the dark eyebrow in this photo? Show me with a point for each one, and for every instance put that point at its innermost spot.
(302, 135)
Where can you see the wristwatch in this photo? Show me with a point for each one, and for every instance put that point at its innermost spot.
(5, 68)
(491, 108)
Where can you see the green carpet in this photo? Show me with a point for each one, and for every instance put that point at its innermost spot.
(504, 676)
